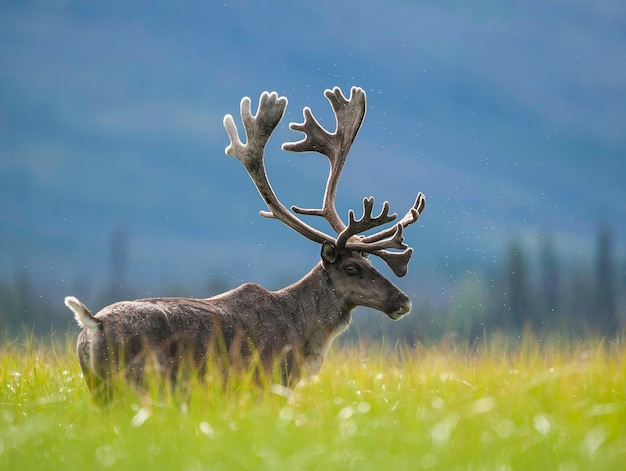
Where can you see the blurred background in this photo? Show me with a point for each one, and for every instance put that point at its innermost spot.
(509, 116)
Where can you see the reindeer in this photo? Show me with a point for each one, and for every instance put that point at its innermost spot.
(286, 332)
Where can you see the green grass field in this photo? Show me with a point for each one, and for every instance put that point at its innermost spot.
(528, 407)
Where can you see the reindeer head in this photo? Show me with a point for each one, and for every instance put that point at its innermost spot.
(349, 242)
(355, 280)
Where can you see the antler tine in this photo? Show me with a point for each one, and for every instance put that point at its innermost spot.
(409, 218)
(349, 114)
(366, 222)
(258, 129)
(397, 261)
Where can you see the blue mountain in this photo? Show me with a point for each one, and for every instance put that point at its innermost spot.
(111, 123)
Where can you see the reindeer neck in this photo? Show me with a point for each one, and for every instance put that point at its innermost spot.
(316, 306)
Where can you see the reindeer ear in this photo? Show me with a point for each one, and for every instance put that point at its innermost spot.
(329, 253)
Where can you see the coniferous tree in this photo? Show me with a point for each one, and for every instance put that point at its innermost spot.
(549, 311)
(7, 307)
(621, 297)
(603, 317)
(518, 293)
(118, 265)
(578, 297)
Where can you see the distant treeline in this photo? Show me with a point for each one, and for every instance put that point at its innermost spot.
(539, 292)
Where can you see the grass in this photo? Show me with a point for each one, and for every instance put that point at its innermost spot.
(532, 406)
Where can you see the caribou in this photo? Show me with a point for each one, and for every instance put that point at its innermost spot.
(283, 334)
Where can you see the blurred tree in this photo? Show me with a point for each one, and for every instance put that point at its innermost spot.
(7, 301)
(621, 313)
(468, 315)
(621, 297)
(517, 292)
(26, 306)
(216, 284)
(548, 312)
(577, 300)
(603, 317)
(118, 265)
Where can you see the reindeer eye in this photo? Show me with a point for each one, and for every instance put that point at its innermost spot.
(365, 254)
(351, 270)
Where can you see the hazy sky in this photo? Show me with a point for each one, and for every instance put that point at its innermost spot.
(508, 115)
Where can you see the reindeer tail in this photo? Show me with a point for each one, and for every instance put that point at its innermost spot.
(82, 314)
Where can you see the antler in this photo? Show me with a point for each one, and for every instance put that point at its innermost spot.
(349, 114)
(390, 238)
(258, 129)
